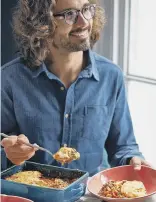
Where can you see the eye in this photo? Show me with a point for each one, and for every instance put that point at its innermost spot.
(87, 8)
(89, 11)
(71, 15)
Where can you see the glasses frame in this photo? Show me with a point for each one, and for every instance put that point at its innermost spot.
(63, 13)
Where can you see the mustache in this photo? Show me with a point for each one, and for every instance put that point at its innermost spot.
(79, 30)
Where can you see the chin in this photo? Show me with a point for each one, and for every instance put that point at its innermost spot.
(81, 48)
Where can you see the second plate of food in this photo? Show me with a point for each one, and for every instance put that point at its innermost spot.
(123, 184)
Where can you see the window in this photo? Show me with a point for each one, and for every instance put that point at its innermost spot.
(143, 39)
(141, 74)
(142, 101)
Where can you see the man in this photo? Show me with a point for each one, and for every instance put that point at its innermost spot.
(60, 92)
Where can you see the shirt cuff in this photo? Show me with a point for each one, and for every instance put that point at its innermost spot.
(4, 161)
(126, 160)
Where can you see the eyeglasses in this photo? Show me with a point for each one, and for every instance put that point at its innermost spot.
(71, 16)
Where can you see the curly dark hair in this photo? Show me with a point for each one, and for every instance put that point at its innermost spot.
(34, 26)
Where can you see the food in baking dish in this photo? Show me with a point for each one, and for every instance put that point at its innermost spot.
(36, 178)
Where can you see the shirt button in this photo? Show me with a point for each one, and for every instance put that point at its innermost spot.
(62, 88)
(67, 115)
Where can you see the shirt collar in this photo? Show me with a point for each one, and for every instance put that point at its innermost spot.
(90, 71)
(93, 65)
(41, 69)
(37, 71)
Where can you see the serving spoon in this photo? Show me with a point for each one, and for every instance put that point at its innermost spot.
(35, 146)
(58, 156)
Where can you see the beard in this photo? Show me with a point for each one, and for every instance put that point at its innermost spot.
(83, 45)
(70, 46)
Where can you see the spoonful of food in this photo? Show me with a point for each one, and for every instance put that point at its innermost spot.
(63, 155)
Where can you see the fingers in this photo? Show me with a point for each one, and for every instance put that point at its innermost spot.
(19, 152)
(12, 140)
(22, 147)
(19, 149)
(8, 142)
(18, 160)
(136, 163)
(22, 138)
(15, 150)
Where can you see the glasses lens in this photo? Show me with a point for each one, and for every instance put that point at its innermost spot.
(88, 12)
(70, 17)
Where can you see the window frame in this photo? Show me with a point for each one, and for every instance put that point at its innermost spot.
(124, 50)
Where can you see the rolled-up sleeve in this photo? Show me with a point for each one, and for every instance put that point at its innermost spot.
(121, 143)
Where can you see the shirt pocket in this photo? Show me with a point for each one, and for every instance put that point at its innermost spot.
(96, 122)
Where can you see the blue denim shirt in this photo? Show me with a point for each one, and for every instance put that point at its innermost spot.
(92, 115)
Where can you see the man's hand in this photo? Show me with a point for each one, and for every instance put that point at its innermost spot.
(137, 162)
(17, 153)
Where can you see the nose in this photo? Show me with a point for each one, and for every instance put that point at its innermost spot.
(81, 21)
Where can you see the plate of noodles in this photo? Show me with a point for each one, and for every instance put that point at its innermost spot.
(123, 183)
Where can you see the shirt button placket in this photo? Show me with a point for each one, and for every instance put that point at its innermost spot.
(62, 88)
(67, 116)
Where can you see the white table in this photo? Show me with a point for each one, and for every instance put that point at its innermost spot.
(89, 198)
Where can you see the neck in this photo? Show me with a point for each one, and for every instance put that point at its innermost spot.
(66, 66)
